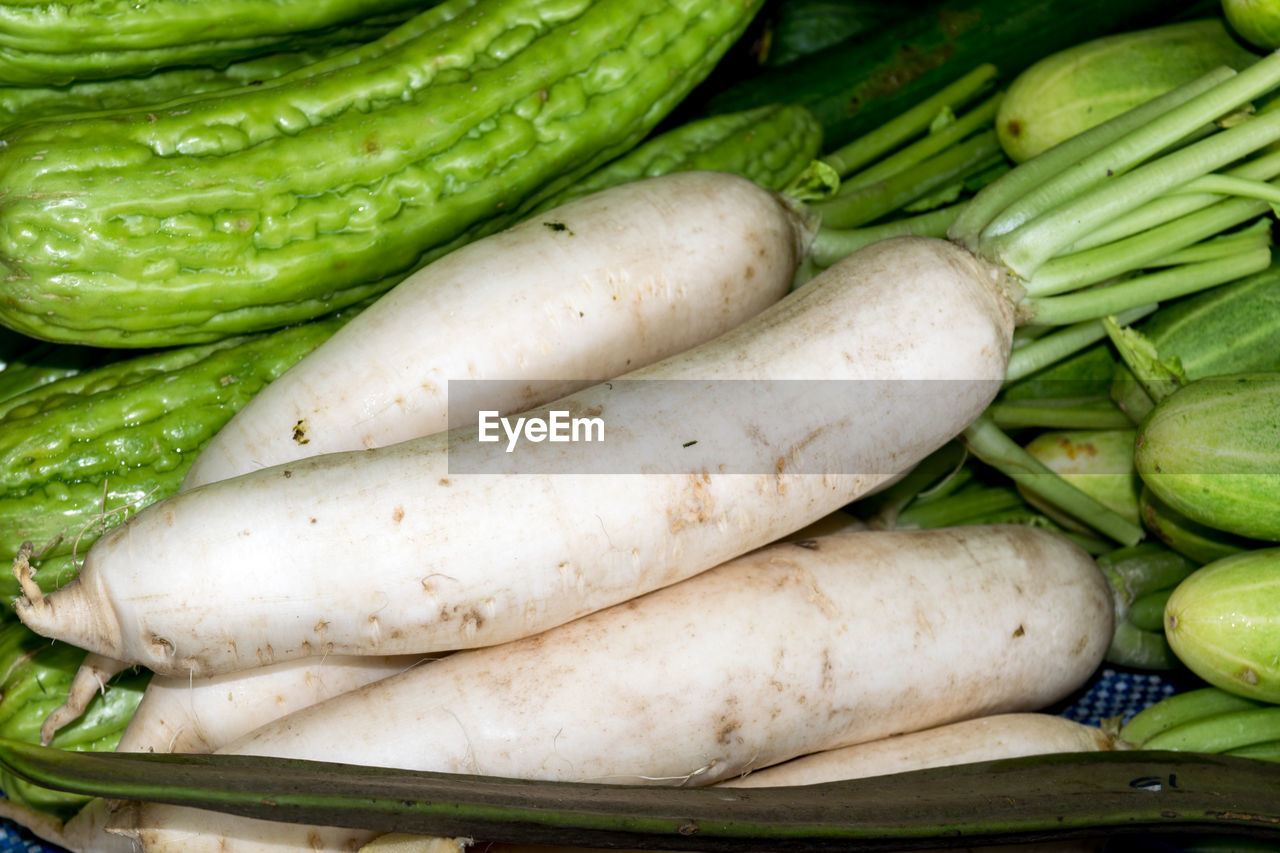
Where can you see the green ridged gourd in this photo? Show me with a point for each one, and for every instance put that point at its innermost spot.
(268, 205)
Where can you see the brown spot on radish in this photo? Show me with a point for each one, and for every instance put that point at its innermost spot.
(695, 505)
(397, 514)
(300, 432)
(1013, 127)
(320, 627)
(161, 647)
(286, 473)
(749, 273)
(1019, 632)
(312, 520)
(444, 481)
(807, 544)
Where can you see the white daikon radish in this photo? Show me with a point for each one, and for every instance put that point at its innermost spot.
(597, 287)
(982, 739)
(200, 715)
(792, 649)
(389, 551)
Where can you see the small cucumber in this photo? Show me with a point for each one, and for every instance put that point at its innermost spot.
(1191, 539)
(1255, 21)
(1097, 462)
(1210, 451)
(1223, 622)
(1072, 90)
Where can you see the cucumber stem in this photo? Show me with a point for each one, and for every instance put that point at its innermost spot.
(871, 146)
(1153, 287)
(989, 204)
(1053, 347)
(850, 208)
(832, 244)
(1026, 247)
(1078, 269)
(990, 444)
(1181, 708)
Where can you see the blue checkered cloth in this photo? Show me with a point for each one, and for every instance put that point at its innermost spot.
(1111, 693)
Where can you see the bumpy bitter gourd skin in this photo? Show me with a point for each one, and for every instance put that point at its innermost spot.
(24, 103)
(81, 454)
(769, 145)
(52, 44)
(252, 209)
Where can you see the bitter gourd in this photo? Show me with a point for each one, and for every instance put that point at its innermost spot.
(35, 676)
(769, 145)
(243, 211)
(24, 103)
(44, 44)
(82, 453)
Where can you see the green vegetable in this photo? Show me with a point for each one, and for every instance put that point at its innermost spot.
(798, 28)
(1197, 541)
(45, 44)
(1234, 328)
(1097, 462)
(1139, 574)
(249, 209)
(1223, 622)
(1029, 798)
(1211, 449)
(82, 453)
(769, 145)
(36, 677)
(1256, 21)
(861, 83)
(1086, 84)
(1192, 705)
(24, 103)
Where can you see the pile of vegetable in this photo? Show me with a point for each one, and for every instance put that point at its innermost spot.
(942, 357)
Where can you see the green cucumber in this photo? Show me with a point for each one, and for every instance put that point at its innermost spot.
(860, 84)
(82, 453)
(250, 209)
(53, 44)
(1210, 451)
(1234, 328)
(1198, 542)
(1072, 90)
(1223, 622)
(1097, 462)
(1255, 21)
